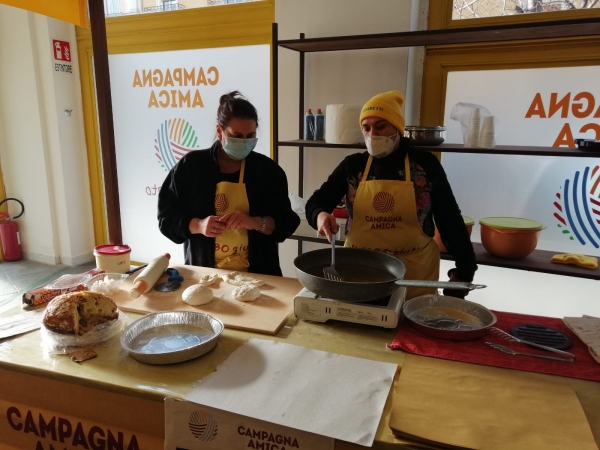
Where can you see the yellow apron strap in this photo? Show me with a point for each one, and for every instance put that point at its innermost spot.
(242, 171)
(364, 178)
(406, 169)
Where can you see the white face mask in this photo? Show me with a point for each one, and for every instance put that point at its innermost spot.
(381, 146)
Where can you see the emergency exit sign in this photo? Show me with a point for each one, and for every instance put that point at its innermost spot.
(62, 56)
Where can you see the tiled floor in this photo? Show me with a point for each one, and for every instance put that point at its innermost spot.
(17, 277)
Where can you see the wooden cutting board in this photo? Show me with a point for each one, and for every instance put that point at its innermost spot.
(264, 315)
(451, 404)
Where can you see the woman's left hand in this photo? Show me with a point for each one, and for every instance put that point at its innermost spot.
(239, 219)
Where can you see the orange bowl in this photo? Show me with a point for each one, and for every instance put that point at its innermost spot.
(438, 239)
(506, 243)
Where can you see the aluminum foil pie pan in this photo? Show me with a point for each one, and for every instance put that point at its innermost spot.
(171, 336)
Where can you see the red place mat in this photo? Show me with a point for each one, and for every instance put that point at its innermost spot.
(477, 352)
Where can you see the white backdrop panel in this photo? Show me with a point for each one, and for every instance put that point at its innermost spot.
(156, 123)
(563, 193)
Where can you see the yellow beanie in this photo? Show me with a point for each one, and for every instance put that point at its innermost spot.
(388, 106)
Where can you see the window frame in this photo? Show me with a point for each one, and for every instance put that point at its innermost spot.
(442, 59)
(440, 17)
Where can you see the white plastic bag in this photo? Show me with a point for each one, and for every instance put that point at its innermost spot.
(478, 124)
(298, 203)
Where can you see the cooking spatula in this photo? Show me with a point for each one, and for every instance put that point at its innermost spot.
(329, 272)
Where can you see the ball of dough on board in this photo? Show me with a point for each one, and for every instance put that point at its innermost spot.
(207, 280)
(239, 279)
(197, 295)
(246, 293)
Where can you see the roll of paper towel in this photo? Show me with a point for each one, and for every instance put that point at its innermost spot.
(342, 126)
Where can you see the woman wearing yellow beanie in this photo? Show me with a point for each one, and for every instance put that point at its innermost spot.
(393, 193)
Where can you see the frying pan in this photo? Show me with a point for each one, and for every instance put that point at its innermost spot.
(443, 317)
(355, 292)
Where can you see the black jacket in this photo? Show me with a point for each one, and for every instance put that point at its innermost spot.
(433, 196)
(189, 192)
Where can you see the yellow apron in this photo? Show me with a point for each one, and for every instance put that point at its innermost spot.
(231, 246)
(385, 219)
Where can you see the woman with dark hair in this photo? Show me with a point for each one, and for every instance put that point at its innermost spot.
(228, 205)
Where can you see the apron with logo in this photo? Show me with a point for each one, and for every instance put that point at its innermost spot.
(231, 246)
(385, 219)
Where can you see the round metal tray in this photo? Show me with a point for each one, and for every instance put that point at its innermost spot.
(171, 336)
(447, 317)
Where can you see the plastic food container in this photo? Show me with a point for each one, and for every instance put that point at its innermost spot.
(510, 237)
(106, 283)
(113, 258)
(469, 222)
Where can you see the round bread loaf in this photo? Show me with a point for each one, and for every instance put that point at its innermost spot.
(79, 312)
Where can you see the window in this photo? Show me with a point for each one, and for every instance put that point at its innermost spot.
(475, 9)
(226, 2)
(114, 8)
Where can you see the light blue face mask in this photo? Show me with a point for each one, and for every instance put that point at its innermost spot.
(237, 148)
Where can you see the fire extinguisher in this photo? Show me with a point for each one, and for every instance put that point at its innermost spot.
(9, 234)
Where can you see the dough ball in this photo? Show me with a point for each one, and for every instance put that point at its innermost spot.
(197, 295)
(239, 279)
(246, 293)
(207, 280)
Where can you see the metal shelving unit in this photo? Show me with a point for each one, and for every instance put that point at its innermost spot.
(539, 260)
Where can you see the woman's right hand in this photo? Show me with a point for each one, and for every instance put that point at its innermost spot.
(210, 226)
(327, 225)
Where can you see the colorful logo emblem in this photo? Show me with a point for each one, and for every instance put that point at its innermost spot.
(174, 139)
(383, 202)
(221, 203)
(578, 207)
(203, 425)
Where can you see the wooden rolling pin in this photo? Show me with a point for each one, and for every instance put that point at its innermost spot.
(150, 275)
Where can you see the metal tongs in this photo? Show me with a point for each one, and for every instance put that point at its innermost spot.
(570, 357)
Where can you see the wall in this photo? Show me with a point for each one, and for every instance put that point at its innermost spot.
(350, 77)
(42, 150)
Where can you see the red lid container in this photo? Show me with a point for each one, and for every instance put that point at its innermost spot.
(112, 249)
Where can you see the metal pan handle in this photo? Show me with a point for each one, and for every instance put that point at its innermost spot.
(458, 285)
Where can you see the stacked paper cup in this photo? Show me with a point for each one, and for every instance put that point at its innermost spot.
(488, 134)
(474, 126)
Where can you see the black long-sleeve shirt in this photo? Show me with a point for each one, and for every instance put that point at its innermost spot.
(189, 192)
(433, 196)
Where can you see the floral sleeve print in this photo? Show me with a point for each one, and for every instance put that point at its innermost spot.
(422, 197)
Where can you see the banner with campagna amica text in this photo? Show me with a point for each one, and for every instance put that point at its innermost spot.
(165, 106)
(546, 107)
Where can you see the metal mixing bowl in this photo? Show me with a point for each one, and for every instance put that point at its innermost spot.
(425, 135)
